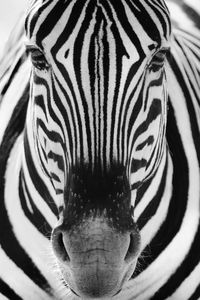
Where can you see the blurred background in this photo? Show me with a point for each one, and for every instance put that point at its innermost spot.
(9, 13)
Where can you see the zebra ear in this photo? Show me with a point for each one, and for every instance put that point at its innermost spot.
(32, 2)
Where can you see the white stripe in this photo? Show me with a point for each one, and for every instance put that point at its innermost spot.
(188, 286)
(12, 96)
(155, 222)
(2, 297)
(38, 200)
(18, 281)
(32, 241)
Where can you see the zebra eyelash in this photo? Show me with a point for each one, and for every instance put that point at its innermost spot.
(37, 57)
(157, 61)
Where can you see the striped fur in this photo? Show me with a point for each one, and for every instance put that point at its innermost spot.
(165, 193)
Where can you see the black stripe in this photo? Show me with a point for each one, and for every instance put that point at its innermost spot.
(126, 24)
(120, 53)
(141, 191)
(93, 66)
(196, 294)
(77, 67)
(70, 25)
(185, 269)
(189, 102)
(15, 70)
(35, 18)
(106, 69)
(158, 82)
(138, 164)
(148, 141)
(178, 202)
(58, 159)
(192, 258)
(153, 205)
(136, 110)
(8, 240)
(71, 132)
(35, 217)
(154, 112)
(161, 17)
(53, 18)
(46, 103)
(39, 101)
(36, 180)
(93, 75)
(144, 18)
(51, 135)
(191, 68)
(192, 14)
(8, 292)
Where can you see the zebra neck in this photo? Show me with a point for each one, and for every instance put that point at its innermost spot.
(170, 215)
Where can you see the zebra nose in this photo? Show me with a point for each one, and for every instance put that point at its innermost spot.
(59, 246)
(95, 260)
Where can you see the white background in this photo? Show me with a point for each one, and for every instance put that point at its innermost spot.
(9, 13)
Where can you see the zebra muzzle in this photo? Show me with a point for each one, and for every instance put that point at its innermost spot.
(95, 259)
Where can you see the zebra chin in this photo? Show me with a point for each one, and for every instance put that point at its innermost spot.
(95, 259)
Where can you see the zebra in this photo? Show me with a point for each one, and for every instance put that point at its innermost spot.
(99, 152)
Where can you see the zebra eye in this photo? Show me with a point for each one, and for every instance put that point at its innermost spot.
(158, 60)
(37, 57)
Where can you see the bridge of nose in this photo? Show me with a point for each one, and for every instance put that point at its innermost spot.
(89, 193)
(94, 241)
(94, 255)
(97, 242)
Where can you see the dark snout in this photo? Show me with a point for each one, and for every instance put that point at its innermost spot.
(94, 258)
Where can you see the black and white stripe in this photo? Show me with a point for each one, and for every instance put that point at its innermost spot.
(95, 90)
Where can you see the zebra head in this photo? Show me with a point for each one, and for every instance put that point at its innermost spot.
(98, 114)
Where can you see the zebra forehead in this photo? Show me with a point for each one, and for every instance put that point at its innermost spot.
(141, 21)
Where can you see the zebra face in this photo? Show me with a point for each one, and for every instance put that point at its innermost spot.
(98, 110)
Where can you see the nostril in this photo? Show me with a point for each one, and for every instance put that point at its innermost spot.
(74, 292)
(117, 293)
(133, 247)
(59, 246)
(60, 241)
